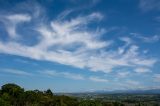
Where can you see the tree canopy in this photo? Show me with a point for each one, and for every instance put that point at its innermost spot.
(14, 95)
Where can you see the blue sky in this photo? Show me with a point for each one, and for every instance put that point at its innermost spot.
(80, 45)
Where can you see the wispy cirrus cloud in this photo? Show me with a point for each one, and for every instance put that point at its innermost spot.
(151, 39)
(126, 85)
(156, 77)
(123, 74)
(63, 74)
(97, 79)
(148, 5)
(16, 72)
(73, 42)
(127, 40)
(11, 21)
(142, 70)
(132, 82)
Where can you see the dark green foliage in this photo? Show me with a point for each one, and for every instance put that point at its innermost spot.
(3, 102)
(12, 89)
(48, 92)
(14, 95)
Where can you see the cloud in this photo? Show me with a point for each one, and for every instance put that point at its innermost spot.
(23, 61)
(148, 5)
(97, 79)
(16, 18)
(129, 85)
(132, 82)
(64, 74)
(151, 39)
(72, 76)
(68, 32)
(156, 77)
(11, 21)
(123, 74)
(16, 72)
(71, 41)
(127, 40)
(142, 70)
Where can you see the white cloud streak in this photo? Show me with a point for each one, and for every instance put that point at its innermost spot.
(129, 85)
(72, 42)
(156, 77)
(16, 72)
(97, 79)
(151, 39)
(142, 70)
(63, 74)
(123, 74)
(11, 22)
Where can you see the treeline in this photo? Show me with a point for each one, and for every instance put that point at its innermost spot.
(14, 95)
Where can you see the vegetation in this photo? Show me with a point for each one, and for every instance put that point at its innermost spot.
(14, 95)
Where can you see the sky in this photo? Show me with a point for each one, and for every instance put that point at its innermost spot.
(80, 45)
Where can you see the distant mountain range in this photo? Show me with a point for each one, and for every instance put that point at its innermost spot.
(150, 91)
(138, 91)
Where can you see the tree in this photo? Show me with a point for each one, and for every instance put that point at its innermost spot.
(48, 92)
(12, 89)
(12, 93)
(3, 102)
